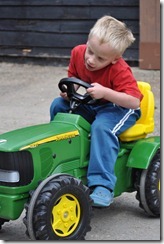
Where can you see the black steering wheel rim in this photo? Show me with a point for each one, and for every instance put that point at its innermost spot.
(67, 85)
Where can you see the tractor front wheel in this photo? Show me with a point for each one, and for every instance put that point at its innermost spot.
(2, 221)
(61, 211)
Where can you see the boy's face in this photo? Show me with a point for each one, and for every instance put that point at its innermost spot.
(98, 56)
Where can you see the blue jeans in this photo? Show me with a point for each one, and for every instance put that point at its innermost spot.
(107, 122)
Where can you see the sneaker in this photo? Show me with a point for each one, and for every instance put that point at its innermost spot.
(102, 197)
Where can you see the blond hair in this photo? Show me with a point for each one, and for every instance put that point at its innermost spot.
(112, 31)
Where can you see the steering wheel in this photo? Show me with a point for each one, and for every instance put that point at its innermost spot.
(67, 85)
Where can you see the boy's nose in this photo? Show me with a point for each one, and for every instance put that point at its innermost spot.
(91, 61)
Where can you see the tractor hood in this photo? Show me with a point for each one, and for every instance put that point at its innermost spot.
(32, 136)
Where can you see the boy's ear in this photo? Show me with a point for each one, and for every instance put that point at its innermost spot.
(115, 60)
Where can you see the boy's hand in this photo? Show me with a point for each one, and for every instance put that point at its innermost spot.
(96, 91)
(64, 95)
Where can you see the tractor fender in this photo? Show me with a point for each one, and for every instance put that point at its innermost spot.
(143, 152)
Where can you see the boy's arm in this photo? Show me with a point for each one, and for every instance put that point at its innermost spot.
(122, 99)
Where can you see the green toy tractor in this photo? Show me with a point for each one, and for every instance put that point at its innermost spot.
(43, 169)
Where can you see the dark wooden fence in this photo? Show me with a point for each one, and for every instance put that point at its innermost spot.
(51, 28)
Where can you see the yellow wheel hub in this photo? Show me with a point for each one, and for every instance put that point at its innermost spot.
(65, 215)
(159, 185)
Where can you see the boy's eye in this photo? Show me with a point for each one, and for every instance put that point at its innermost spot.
(100, 59)
(89, 51)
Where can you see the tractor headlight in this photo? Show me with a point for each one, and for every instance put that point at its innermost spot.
(9, 176)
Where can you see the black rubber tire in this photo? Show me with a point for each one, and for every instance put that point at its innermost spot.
(62, 210)
(2, 221)
(148, 190)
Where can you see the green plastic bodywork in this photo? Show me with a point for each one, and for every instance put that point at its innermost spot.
(63, 146)
(143, 151)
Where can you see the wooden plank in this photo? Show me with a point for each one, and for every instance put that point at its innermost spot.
(53, 53)
(123, 13)
(57, 26)
(149, 57)
(70, 2)
(150, 26)
(29, 39)
(114, 2)
(36, 52)
(74, 12)
(149, 49)
(44, 12)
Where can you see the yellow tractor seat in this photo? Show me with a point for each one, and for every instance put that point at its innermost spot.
(145, 124)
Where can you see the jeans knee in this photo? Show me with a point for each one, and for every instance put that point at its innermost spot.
(58, 105)
(95, 126)
(97, 129)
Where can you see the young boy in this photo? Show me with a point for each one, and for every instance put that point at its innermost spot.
(100, 63)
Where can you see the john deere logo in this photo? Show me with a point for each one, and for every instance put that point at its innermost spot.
(59, 137)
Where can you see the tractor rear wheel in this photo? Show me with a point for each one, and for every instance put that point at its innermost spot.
(148, 190)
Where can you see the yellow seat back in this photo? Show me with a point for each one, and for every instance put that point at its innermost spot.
(145, 125)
